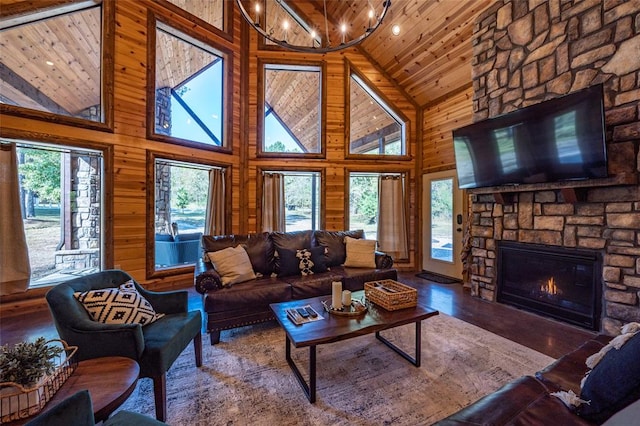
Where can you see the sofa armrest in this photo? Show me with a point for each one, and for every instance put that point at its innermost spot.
(383, 260)
(205, 277)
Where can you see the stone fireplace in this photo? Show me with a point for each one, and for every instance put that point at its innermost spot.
(559, 282)
(526, 52)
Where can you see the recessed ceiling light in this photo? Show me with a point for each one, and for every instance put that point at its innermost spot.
(395, 30)
(49, 63)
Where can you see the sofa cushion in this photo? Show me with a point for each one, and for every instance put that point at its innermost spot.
(232, 264)
(122, 305)
(253, 295)
(360, 253)
(525, 401)
(296, 240)
(567, 372)
(261, 252)
(334, 242)
(613, 383)
(303, 287)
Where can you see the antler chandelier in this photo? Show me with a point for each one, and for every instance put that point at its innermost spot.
(317, 26)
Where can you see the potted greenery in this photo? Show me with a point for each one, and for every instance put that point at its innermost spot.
(22, 367)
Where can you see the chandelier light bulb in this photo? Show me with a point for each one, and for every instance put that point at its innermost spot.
(257, 9)
(371, 14)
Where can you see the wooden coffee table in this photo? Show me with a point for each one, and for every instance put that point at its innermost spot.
(109, 380)
(334, 328)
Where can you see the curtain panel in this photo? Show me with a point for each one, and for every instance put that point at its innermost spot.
(216, 207)
(15, 270)
(392, 223)
(273, 208)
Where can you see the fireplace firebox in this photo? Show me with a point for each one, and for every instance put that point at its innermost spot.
(560, 282)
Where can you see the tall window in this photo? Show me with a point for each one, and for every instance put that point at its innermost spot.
(54, 64)
(292, 109)
(189, 88)
(374, 128)
(302, 200)
(61, 200)
(364, 201)
(181, 191)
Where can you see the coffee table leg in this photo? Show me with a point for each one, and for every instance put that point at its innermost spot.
(309, 389)
(415, 361)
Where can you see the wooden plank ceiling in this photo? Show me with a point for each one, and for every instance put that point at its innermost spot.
(428, 60)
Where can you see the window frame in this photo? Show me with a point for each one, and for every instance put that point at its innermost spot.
(23, 13)
(284, 170)
(226, 32)
(373, 91)
(153, 23)
(263, 65)
(107, 242)
(150, 250)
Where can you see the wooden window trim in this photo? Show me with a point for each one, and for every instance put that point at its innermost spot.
(227, 88)
(350, 69)
(150, 250)
(20, 13)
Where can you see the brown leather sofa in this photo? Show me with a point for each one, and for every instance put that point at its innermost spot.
(528, 400)
(248, 302)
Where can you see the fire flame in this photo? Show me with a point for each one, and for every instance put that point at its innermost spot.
(550, 287)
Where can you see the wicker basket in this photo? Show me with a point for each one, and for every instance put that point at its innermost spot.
(391, 295)
(18, 402)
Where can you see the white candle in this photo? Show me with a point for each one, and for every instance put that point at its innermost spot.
(336, 294)
(346, 297)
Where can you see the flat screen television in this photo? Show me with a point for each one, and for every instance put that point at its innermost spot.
(561, 139)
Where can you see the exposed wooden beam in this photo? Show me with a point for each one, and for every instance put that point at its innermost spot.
(11, 78)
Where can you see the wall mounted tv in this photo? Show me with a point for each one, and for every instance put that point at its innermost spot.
(561, 139)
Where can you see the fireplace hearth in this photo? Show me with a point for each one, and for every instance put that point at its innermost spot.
(559, 282)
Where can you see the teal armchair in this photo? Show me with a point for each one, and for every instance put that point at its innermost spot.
(154, 346)
(77, 410)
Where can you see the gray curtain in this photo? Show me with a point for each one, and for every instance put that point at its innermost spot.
(15, 269)
(216, 208)
(273, 208)
(392, 223)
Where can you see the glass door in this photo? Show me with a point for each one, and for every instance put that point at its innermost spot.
(443, 224)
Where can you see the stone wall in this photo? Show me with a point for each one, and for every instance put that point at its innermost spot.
(527, 52)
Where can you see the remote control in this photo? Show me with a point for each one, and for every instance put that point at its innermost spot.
(303, 313)
(311, 312)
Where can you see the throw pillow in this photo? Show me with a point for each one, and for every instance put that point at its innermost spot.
(613, 383)
(123, 305)
(288, 263)
(360, 253)
(334, 242)
(302, 262)
(232, 264)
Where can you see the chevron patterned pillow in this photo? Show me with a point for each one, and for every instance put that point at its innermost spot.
(123, 305)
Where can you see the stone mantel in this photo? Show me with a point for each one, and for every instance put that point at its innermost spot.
(530, 51)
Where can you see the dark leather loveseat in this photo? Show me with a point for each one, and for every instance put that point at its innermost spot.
(528, 400)
(248, 302)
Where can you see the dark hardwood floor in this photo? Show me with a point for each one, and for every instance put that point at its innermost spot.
(544, 335)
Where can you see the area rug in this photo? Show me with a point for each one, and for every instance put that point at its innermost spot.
(432, 276)
(245, 379)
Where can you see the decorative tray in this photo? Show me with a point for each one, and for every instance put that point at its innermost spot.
(356, 308)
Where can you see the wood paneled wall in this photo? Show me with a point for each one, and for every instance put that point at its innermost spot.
(129, 143)
(439, 120)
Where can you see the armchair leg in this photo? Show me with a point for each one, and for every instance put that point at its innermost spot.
(215, 337)
(197, 346)
(160, 396)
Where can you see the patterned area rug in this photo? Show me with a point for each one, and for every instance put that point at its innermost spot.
(245, 379)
